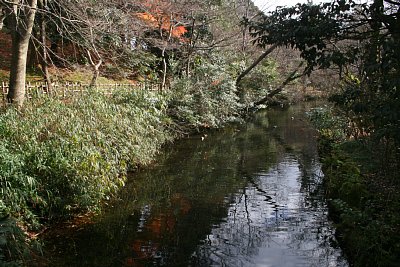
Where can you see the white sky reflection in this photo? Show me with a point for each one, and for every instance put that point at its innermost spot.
(271, 223)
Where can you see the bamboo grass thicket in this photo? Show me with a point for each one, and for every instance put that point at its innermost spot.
(59, 158)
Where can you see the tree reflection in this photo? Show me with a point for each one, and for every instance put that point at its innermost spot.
(280, 217)
(243, 196)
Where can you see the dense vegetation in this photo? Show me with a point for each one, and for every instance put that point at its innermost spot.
(61, 157)
(360, 142)
(75, 156)
(78, 154)
(361, 181)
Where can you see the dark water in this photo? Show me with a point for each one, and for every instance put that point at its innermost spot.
(249, 195)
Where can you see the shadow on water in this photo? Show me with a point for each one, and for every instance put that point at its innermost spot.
(248, 195)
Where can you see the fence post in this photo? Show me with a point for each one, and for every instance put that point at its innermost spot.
(63, 91)
(28, 86)
(72, 88)
(46, 87)
(38, 87)
(4, 90)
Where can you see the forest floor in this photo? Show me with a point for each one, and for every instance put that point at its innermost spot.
(75, 73)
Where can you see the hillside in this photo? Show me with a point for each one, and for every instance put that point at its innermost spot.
(137, 49)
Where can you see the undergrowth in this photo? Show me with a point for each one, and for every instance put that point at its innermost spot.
(206, 99)
(363, 198)
(59, 158)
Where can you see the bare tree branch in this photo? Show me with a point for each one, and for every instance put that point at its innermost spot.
(292, 76)
(3, 15)
(255, 63)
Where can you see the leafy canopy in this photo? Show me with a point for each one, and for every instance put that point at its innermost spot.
(361, 40)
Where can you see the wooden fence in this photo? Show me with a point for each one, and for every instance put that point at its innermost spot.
(65, 90)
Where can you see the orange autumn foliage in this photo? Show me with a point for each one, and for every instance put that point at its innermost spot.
(158, 225)
(159, 15)
(152, 21)
(179, 31)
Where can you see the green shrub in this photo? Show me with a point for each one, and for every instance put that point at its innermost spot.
(258, 82)
(328, 125)
(343, 179)
(365, 212)
(206, 99)
(13, 243)
(57, 159)
(62, 157)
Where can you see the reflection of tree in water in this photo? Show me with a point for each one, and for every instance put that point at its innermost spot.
(235, 241)
(223, 201)
(281, 209)
(271, 213)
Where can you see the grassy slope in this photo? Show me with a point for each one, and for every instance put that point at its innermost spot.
(82, 74)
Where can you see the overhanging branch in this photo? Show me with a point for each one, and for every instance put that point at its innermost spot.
(292, 76)
(255, 63)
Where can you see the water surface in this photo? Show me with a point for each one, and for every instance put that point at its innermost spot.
(248, 195)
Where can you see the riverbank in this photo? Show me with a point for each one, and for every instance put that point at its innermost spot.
(62, 158)
(362, 183)
(260, 177)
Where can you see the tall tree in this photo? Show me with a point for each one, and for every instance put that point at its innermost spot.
(362, 40)
(21, 17)
(44, 49)
(3, 14)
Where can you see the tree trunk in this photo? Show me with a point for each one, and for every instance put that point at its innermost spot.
(373, 56)
(32, 58)
(190, 45)
(96, 74)
(21, 20)
(292, 76)
(45, 55)
(164, 70)
(255, 63)
(164, 56)
(96, 67)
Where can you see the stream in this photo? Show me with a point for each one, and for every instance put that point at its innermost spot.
(247, 195)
